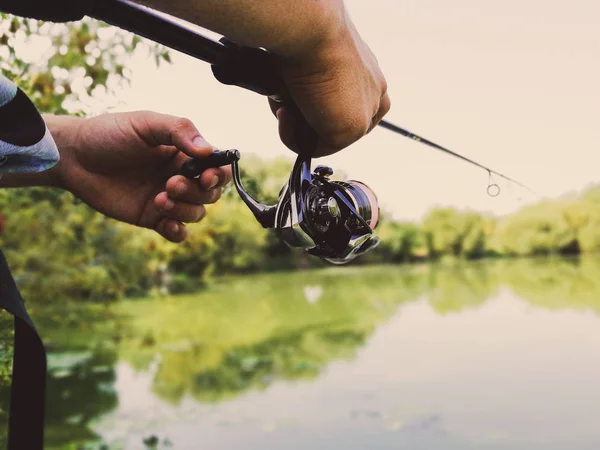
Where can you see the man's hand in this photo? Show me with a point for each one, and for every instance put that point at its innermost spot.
(333, 77)
(125, 166)
(339, 92)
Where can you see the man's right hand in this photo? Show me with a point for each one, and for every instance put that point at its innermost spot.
(339, 91)
(333, 78)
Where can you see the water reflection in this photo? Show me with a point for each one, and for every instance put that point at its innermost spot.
(80, 388)
(496, 355)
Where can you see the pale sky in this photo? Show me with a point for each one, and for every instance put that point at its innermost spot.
(512, 84)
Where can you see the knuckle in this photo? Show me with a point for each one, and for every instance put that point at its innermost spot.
(383, 85)
(387, 105)
(182, 124)
(200, 213)
(211, 196)
(351, 132)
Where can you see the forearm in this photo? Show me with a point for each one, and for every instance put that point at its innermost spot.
(290, 28)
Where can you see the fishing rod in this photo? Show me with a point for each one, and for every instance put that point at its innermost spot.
(330, 219)
(410, 135)
(232, 64)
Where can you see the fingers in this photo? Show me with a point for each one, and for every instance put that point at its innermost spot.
(287, 127)
(216, 177)
(161, 129)
(172, 230)
(179, 210)
(275, 106)
(296, 134)
(184, 199)
(384, 108)
(205, 190)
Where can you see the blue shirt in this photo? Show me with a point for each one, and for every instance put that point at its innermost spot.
(26, 145)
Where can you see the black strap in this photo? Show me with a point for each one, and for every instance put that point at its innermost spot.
(27, 401)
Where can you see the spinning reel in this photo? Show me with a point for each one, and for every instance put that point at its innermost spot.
(333, 220)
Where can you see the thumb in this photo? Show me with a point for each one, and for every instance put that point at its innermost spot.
(163, 129)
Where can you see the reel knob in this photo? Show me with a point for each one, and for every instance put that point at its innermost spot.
(194, 167)
(323, 171)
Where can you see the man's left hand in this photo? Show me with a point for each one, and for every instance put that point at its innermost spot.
(126, 166)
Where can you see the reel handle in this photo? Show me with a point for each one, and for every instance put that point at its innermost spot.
(194, 167)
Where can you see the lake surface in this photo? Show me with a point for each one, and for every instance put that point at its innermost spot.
(500, 355)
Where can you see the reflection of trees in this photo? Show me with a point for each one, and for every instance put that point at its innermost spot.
(299, 355)
(79, 390)
(6, 350)
(81, 359)
(460, 286)
(247, 333)
(4, 406)
(556, 283)
(262, 328)
(267, 331)
(550, 283)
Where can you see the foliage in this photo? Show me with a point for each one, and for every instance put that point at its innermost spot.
(69, 68)
(401, 242)
(59, 248)
(456, 233)
(6, 352)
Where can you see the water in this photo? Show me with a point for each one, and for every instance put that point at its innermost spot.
(481, 356)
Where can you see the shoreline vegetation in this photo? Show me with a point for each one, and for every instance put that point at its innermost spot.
(59, 248)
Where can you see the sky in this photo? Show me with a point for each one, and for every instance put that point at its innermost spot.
(511, 84)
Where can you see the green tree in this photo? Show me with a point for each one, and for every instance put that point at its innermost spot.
(75, 67)
(584, 214)
(57, 247)
(474, 235)
(442, 228)
(542, 229)
(457, 233)
(400, 242)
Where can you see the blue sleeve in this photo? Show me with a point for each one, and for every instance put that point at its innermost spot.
(25, 142)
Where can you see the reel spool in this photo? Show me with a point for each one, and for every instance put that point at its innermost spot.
(333, 220)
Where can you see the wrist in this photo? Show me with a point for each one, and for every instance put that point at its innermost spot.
(328, 28)
(65, 132)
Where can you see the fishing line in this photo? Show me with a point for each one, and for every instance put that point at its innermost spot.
(493, 189)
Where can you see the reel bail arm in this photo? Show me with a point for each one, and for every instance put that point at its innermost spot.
(194, 167)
